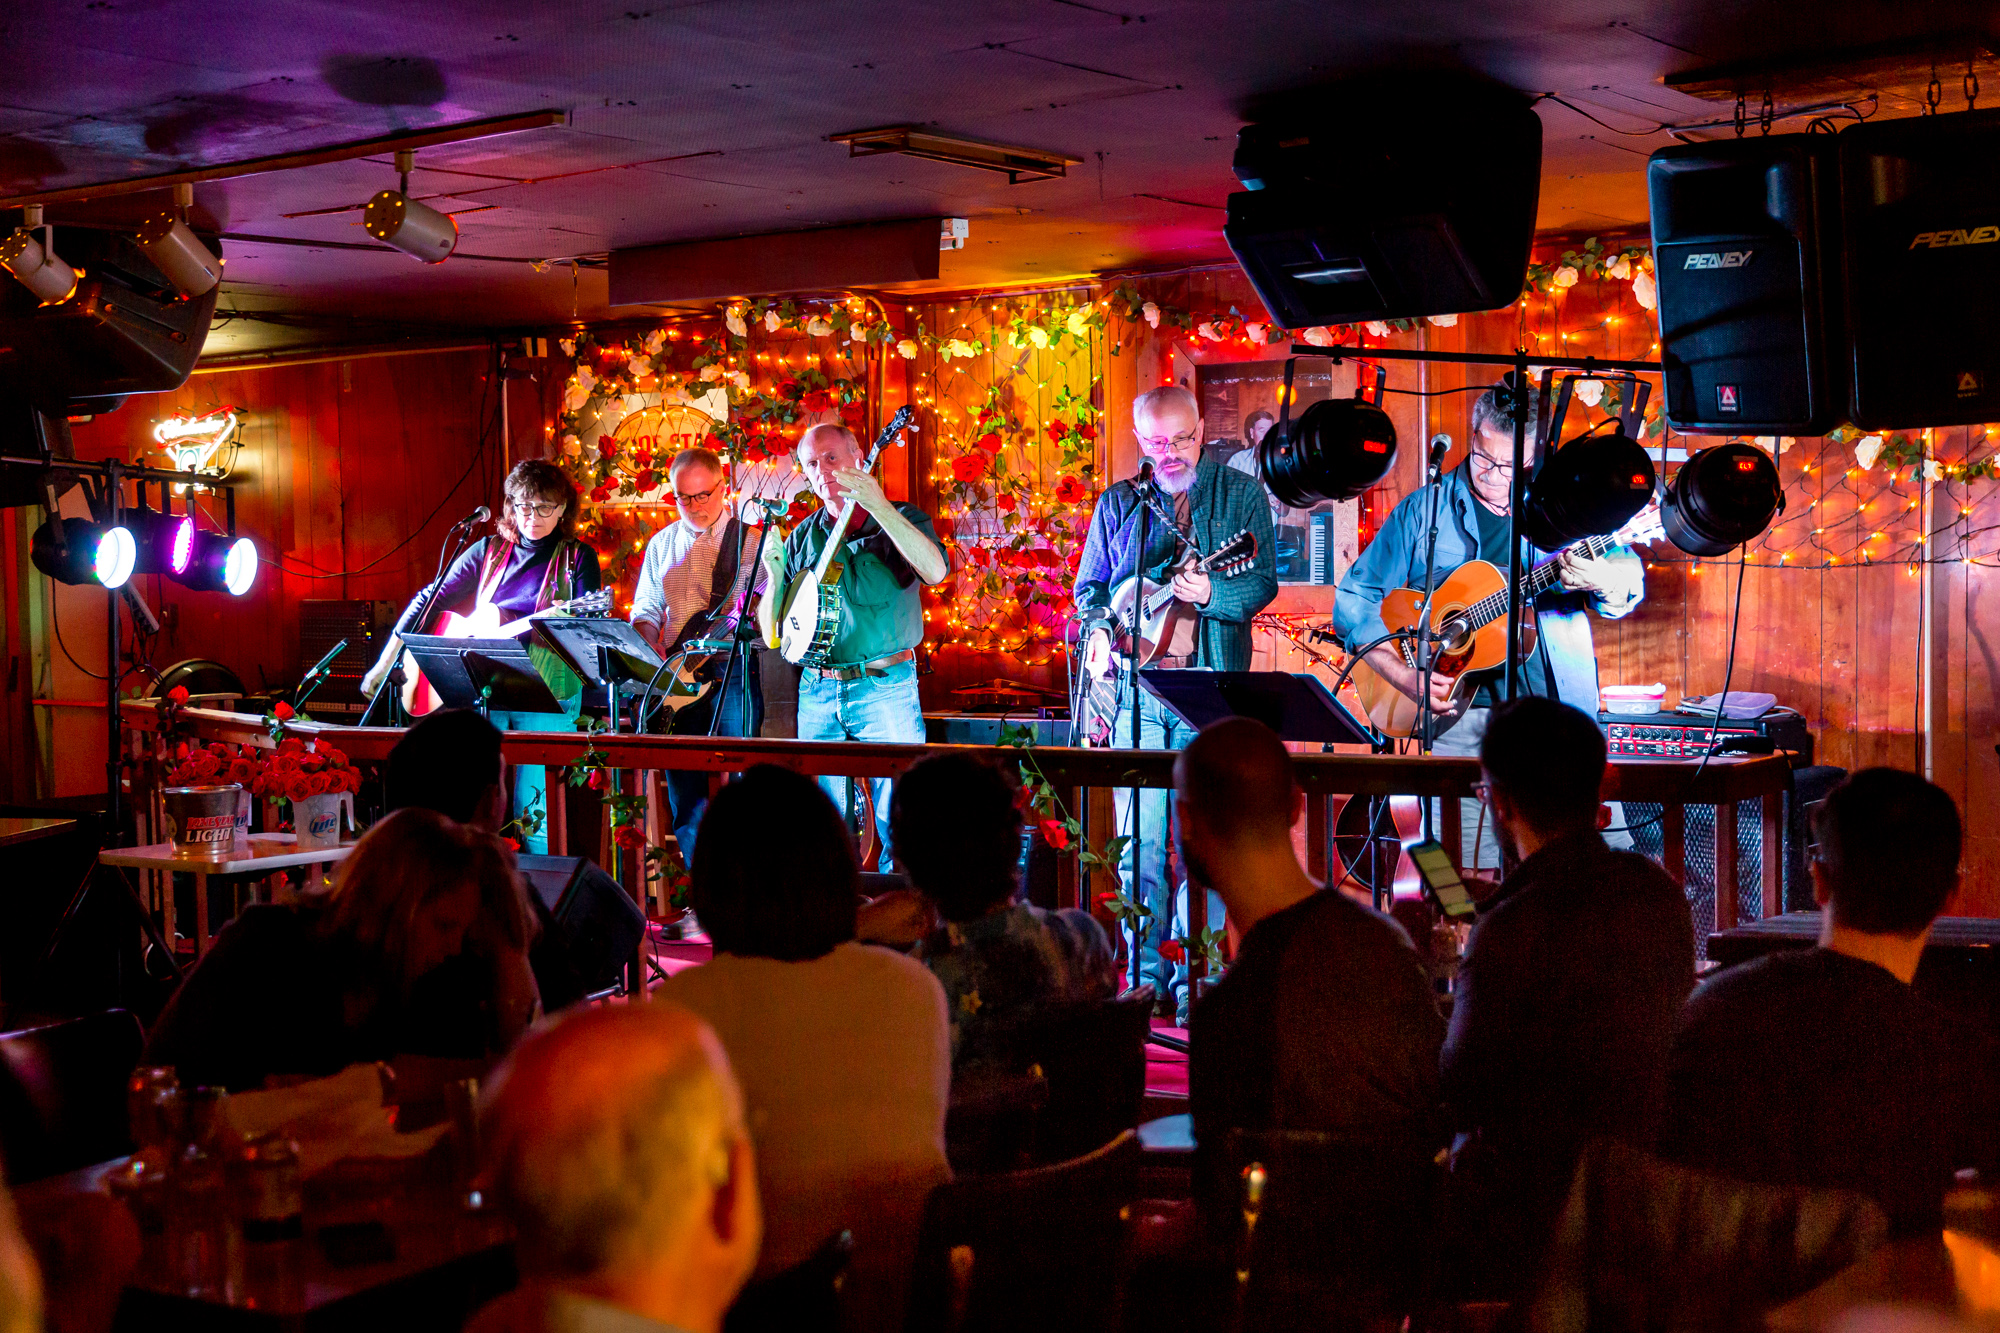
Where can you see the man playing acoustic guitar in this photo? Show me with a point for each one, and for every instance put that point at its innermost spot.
(868, 689)
(1472, 525)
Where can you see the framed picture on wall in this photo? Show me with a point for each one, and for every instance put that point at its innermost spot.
(1240, 403)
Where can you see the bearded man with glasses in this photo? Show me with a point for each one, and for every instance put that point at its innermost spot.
(531, 563)
(1473, 525)
(1208, 504)
(701, 580)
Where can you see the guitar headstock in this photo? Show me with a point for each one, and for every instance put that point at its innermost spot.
(1235, 555)
(590, 604)
(894, 427)
(1644, 527)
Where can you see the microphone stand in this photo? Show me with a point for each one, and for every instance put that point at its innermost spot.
(736, 634)
(460, 537)
(1427, 643)
(1138, 626)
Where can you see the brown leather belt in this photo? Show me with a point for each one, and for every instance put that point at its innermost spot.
(879, 667)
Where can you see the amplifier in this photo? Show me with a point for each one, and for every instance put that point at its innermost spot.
(322, 624)
(1684, 736)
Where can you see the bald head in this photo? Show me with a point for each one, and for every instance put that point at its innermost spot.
(1235, 780)
(607, 1136)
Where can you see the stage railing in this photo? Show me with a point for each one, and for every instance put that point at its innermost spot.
(1088, 777)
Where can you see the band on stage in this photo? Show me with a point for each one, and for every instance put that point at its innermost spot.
(1178, 560)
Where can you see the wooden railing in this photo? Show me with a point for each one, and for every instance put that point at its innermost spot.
(1090, 776)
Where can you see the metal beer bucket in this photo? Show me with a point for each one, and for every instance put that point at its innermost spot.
(207, 823)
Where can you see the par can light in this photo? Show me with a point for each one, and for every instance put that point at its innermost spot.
(1334, 450)
(177, 252)
(1590, 487)
(218, 564)
(84, 552)
(419, 230)
(38, 269)
(1720, 498)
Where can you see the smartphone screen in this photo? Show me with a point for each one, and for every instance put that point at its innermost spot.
(1441, 882)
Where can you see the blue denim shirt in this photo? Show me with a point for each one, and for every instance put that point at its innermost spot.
(1395, 559)
(1221, 502)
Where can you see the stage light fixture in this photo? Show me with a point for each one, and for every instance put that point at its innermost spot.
(219, 564)
(176, 251)
(1720, 498)
(83, 552)
(161, 541)
(418, 230)
(1590, 487)
(34, 263)
(1334, 450)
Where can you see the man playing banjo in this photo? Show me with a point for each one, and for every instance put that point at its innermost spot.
(868, 689)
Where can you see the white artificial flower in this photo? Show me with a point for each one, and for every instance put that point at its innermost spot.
(1206, 329)
(1867, 450)
(1565, 276)
(1619, 268)
(955, 347)
(1079, 321)
(640, 366)
(1038, 335)
(568, 346)
(1151, 313)
(740, 379)
(771, 321)
(578, 392)
(1258, 334)
(1320, 336)
(816, 327)
(1590, 392)
(1443, 321)
(1646, 291)
(710, 373)
(857, 332)
(732, 319)
(655, 341)
(1376, 328)
(1933, 470)
(907, 349)
(571, 446)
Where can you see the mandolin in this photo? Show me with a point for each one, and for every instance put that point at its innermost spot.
(809, 618)
(484, 623)
(1469, 611)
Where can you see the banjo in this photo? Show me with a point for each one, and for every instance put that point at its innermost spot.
(810, 618)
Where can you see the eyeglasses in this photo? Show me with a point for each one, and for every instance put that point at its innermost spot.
(1482, 464)
(698, 498)
(1152, 444)
(529, 509)
(1482, 791)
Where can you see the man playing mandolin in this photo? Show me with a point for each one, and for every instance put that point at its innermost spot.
(1472, 525)
(1209, 628)
(867, 691)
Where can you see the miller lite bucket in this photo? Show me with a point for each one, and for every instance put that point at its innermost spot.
(316, 819)
(208, 823)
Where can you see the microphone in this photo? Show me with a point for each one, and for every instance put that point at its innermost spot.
(325, 664)
(475, 518)
(1440, 445)
(1145, 477)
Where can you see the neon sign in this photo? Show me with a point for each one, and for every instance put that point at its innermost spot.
(192, 443)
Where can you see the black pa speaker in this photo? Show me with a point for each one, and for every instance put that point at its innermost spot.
(603, 923)
(1746, 250)
(1920, 201)
(1367, 204)
(125, 330)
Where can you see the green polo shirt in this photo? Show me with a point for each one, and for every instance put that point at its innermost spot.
(882, 610)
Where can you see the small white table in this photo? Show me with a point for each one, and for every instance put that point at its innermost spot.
(268, 852)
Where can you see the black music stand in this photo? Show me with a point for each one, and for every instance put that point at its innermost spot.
(1297, 707)
(482, 673)
(604, 651)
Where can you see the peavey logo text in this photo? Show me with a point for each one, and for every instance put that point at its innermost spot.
(1938, 240)
(1718, 259)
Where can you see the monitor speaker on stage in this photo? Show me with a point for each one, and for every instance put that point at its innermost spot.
(603, 923)
(1920, 199)
(1747, 253)
(1374, 200)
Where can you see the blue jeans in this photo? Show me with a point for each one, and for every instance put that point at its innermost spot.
(687, 788)
(1161, 887)
(871, 708)
(531, 780)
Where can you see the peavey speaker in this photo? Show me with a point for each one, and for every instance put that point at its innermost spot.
(1746, 250)
(1363, 203)
(603, 923)
(1920, 200)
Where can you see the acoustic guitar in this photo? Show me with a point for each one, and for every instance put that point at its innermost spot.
(484, 623)
(1469, 611)
(1155, 619)
(809, 612)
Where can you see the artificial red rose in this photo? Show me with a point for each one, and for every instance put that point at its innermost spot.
(598, 780)
(789, 388)
(291, 745)
(219, 750)
(283, 712)
(969, 467)
(607, 447)
(180, 752)
(1058, 429)
(351, 779)
(242, 770)
(1085, 431)
(1070, 490)
(599, 494)
(816, 400)
(1108, 897)
(177, 695)
(645, 481)
(801, 508)
(300, 788)
(337, 758)
(642, 458)
(630, 837)
(990, 442)
(1055, 834)
(1173, 951)
(1005, 504)
(512, 846)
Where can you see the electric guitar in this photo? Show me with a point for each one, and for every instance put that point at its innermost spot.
(484, 623)
(809, 615)
(1469, 612)
(1155, 619)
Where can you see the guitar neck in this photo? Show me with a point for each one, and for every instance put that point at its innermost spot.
(1535, 582)
(1164, 594)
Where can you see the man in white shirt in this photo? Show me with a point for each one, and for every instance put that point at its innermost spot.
(696, 582)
